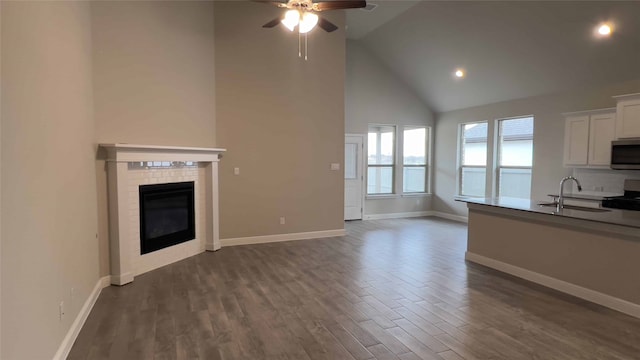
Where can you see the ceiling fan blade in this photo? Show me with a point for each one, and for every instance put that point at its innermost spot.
(326, 25)
(272, 23)
(337, 5)
(281, 3)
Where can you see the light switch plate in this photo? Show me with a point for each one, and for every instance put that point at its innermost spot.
(335, 166)
(236, 171)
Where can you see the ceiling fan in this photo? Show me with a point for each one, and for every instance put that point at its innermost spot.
(302, 13)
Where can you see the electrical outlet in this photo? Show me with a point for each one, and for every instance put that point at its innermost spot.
(236, 171)
(61, 310)
(282, 220)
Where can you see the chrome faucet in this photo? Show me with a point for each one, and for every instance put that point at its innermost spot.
(561, 195)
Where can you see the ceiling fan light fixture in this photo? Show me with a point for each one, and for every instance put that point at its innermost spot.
(604, 30)
(308, 22)
(291, 19)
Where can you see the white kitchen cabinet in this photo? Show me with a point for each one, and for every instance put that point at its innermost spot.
(576, 140)
(588, 136)
(628, 116)
(602, 130)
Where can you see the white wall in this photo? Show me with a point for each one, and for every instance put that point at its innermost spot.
(374, 95)
(602, 182)
(548, 137)
(48, 180)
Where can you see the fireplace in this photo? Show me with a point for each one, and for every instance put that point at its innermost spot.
(167, 215)
(125, 176)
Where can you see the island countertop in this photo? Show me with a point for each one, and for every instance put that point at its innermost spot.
(626, 218)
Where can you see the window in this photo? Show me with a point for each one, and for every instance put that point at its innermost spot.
(510, 159)
(414, 164)
(515, 157)
(350, 162)
(413, 170)
(473, 159)
(380, 159)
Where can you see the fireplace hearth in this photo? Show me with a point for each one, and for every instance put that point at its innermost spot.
(167, 215)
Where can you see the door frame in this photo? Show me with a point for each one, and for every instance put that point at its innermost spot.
(361, 159)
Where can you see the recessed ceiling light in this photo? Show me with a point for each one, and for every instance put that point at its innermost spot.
(604, 29)
(459, 73)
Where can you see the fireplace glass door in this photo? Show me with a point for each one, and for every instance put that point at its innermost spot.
(166, 215)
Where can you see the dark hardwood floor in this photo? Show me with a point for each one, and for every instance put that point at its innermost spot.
(390, 289)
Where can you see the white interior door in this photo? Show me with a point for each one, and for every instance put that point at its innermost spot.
(353, 176)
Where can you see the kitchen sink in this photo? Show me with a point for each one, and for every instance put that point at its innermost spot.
(574, 207)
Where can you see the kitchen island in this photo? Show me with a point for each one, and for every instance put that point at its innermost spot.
(594, 255)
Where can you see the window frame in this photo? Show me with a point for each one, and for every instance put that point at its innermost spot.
(461, 167)
(498, 152)
(427, 160)
(493, 165)
(398, 163)
(393, 166)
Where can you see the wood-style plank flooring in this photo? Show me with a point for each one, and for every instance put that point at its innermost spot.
(390, 289)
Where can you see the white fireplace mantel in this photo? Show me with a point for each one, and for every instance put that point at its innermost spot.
(118, 157)
(134, 152)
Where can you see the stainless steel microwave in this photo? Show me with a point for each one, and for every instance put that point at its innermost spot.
(625, 154)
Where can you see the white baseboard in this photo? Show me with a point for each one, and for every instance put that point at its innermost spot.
(122, 279)
(282, 237)
(448, 216)
(605, 300)
(74, 330)
(439, 214)
(397, 215)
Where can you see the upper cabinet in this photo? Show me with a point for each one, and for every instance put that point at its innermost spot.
(576, 140)
(602, 130)
(588, 136)
(628, 116)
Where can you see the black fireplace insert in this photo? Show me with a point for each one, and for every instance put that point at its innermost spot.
(167, 215)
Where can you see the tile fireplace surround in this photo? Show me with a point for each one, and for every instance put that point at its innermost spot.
(125, 175)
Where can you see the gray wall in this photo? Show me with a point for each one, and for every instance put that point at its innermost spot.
(374, 95)
(153, 72)
(154, 82)
(548, 140)
(49, 220)
(282, 120)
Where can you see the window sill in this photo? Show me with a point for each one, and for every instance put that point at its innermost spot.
(381, 197)
(462, 197)
(397, 196)
(410, 195)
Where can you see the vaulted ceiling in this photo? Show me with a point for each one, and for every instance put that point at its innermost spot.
(509, 49)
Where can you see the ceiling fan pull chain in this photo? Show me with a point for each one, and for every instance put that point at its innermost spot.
(306, 46)
(299, 45)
